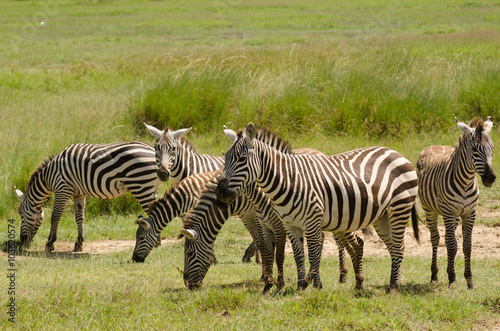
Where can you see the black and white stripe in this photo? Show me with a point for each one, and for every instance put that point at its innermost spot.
(104, 171)
(203, 223)
(195, 191)
(448, 187)
(176, 157)
(340, 193)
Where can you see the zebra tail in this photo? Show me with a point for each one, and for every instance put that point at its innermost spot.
(414, 222)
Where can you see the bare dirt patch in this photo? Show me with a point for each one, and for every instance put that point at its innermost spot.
(486, 243)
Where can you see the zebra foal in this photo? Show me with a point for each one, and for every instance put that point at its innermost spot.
(448, 187)
(340, 193)
(104, 171)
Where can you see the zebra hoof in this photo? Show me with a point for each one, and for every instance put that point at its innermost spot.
(78, 248)
(49, 248)
(302, 285)
(470, 284)
(280, 283)
(267, 287)
(343, 279)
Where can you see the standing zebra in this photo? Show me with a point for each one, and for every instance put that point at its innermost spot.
(448, 187)
(104, 171)
(340, 193)
(176, 157)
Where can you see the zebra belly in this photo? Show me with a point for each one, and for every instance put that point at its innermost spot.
(116, 189)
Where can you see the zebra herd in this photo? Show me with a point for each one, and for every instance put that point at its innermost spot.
(277, 192)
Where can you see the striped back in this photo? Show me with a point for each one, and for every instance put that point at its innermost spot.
(351, 189)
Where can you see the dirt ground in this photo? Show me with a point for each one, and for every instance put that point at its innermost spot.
(486, 242)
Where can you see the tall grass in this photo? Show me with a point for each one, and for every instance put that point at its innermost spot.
(372, 93)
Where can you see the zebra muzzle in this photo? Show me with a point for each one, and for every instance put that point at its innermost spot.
(163, 175)
(224, 193)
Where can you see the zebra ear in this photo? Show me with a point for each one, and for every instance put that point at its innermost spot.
(19, 194)
(462, 126)
(154, 131)
(143, 222)
(230, 134)
(190, 234)
(250, 132)
(180, 132)
(488, 124)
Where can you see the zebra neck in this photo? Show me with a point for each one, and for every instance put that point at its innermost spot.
(166, 209)
(462, 166)
(39, 190)
(189, 162)
(276, 170)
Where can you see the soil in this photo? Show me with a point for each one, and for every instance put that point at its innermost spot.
(486, 243)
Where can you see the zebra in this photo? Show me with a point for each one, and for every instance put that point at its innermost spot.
(340, 193)
(104, 171)
(189, 193)
(448, 187)
(176, 158)
(201, 220)
(203, 223)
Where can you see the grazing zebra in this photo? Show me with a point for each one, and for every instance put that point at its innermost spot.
(340, 193)
(203, 223)
(104, 171)
(189, 194)
(448, 187)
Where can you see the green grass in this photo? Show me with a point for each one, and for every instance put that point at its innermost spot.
(330, 75)
(108, 291)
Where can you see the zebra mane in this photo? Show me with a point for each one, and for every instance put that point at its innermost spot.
(165, 196)
(207, 194)
(268, 137)
(34, 175)
(478, 125)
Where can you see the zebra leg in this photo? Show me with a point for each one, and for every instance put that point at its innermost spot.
(391, 230)
(450, 224)
(268, 237)
(280, 240)
(253, 226)
(432, 224)
(354, 245)
(296, 238)
(315, 238)
(61, 199)
(80, 218)
(342, 263)
(249, 253)
(467, 226)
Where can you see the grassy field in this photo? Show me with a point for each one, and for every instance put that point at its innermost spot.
(330, 75)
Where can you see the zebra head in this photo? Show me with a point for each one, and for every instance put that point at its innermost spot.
(479, 147)
(198, 256)
(241, 164)
(31, 219)
(145, 240)
(166, 149)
